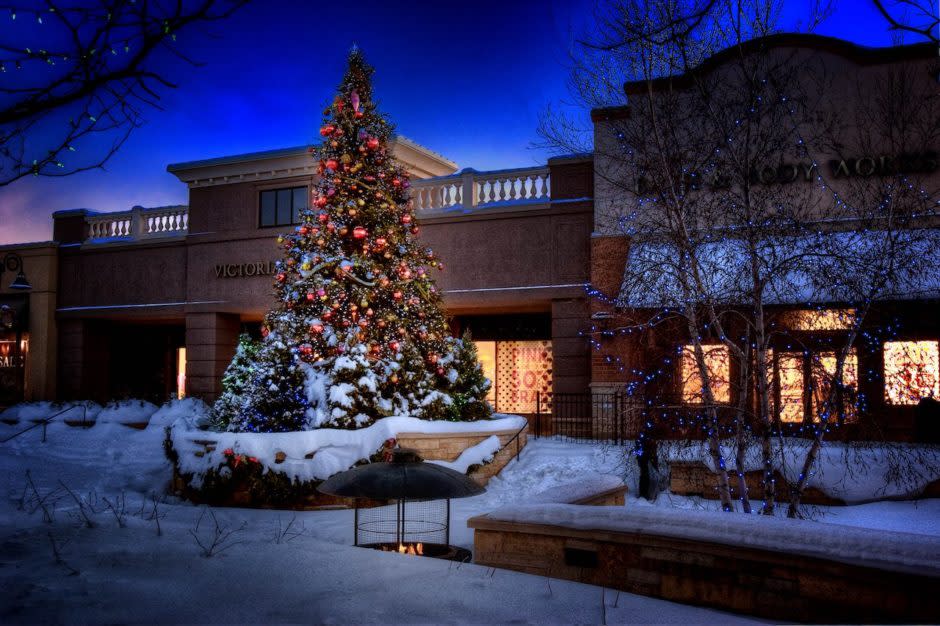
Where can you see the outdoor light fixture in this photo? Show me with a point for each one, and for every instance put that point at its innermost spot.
(14, 262)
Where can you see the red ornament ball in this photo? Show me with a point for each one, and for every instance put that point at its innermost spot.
(359, 232)
(372, 143)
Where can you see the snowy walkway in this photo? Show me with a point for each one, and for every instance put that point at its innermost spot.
(131, 574)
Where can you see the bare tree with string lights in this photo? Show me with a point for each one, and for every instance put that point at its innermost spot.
(76, 78)
(712, 173)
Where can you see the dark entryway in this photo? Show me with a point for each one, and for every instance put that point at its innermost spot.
(143, 361)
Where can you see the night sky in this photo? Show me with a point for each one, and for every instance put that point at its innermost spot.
(465, 79)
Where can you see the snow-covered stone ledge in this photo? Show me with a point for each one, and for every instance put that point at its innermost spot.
(300, 460)
(776, 568)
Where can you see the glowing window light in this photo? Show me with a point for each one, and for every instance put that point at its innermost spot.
(826, 319)
(486, 355)
(824, 374)
(717, 361)
(790, 375)
(911, 371)
(181, 373)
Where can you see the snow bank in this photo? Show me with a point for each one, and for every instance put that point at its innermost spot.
(127, 412)
(334, 450)
(26, 411)
(852, 472)
(892, 551)
(589, 484)
(479, 454)
(194, 411)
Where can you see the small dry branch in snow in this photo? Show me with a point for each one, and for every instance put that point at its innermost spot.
(58, 556)
(218, 537)
(285, 534)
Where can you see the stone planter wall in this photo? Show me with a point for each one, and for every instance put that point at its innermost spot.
(775, 585)
(693, 478)
(449, 446)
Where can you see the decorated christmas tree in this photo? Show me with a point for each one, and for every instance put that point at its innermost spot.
(358, 331)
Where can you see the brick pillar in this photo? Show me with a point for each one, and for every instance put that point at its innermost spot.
(571, 370)
(83, 361)
(608, 260)
(211, 339)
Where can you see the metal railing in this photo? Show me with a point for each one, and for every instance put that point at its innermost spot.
(584, 417)
(45, 422)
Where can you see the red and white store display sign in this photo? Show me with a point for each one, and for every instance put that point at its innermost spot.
(523, 370)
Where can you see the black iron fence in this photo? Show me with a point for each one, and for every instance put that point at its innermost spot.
(583, 417)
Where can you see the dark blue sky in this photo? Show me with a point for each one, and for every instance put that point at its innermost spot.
(466, 79)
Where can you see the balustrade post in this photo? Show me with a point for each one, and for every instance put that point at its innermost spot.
(138, 227)
(469, 197)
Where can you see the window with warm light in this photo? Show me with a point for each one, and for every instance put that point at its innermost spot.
(824, 319)
(486, 354)
(911, 371)
(181, 373)
(792, 388)
(520, 374)
(791, 380)
(825, 370)
(717, 365)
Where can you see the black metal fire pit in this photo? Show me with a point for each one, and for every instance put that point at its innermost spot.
(417, 521)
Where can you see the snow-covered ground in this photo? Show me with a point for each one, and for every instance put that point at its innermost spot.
(110, 573)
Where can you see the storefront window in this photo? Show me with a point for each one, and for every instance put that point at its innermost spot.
(825, 319)
(912, 371)
(717, 365)
(824, 378)
(790, 379)
(520, 374)
(12, 368)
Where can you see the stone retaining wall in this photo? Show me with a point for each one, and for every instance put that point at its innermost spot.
(775, 585)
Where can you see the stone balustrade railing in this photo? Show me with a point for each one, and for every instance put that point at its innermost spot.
(469, 189)
(137, 224)
(465, 190)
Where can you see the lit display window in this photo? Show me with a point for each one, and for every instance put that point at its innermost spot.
(824, 377)
(826, 319)
(790, 379)
(717, 365)
(520, 374)
(912, 371)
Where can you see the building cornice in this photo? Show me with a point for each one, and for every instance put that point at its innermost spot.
(297, 161)
(857, 54)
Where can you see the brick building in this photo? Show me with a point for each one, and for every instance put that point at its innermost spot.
(149, 302)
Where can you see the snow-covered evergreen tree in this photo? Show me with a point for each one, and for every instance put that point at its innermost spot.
(358, 331)
(235, 382)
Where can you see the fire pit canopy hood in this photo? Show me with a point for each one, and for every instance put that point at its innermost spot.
(406, 477)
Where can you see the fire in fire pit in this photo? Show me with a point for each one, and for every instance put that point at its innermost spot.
(417, 519)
